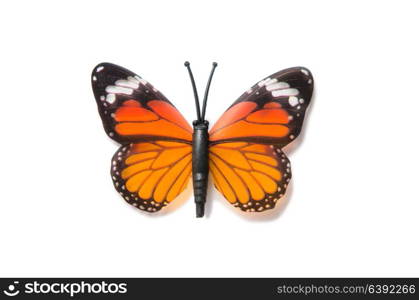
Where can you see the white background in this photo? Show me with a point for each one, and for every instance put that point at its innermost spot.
(352, 208)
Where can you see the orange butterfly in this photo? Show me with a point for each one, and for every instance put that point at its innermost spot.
(160, 150)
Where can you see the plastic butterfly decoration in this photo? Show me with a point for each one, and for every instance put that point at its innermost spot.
(160, 151)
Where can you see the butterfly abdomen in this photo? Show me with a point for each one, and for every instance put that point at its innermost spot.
(200, 166)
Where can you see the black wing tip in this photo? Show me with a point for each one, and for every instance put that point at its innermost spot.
(304, 70)
(98, 67)
(106, 68)
(300, 72)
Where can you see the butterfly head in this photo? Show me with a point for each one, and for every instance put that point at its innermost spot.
(203, 124)
(200, 122)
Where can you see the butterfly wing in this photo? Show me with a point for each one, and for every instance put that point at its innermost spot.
(149, 175)
(250, 176)
(153, 164)
(133, 110)
(270, 112)
(246, 161)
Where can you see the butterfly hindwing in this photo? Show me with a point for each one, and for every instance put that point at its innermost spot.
(246, 161)
(154, 163)
(149, 175)
(250, 176)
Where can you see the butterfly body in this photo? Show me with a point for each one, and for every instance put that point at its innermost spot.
(160, 151)
(200, 164)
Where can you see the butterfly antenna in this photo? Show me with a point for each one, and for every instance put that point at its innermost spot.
(198, 110)
(204, 104)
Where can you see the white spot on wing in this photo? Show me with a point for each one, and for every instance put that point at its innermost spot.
(293, 101)
(263, 82)
(271, 81)
(144, 82)
(285, 92)
(277, 86)
(122, 86)
(134, 79)
(118, 90)
(110, 98)
(127, 83)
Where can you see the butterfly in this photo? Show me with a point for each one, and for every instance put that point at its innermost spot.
(160, 151)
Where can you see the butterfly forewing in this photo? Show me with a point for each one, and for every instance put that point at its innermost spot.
(133, 110)
(270, 112)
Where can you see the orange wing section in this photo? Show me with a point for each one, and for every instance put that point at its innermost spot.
(251, 176)
(159, 119)
(152, 174)
(245, 120)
